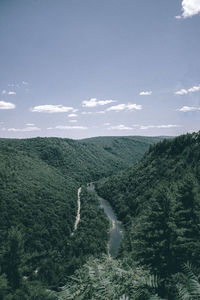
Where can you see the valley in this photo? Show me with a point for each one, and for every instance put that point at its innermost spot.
(132, 245)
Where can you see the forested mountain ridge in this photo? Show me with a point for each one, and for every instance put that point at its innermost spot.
(87, 159)
(159, 202)
(39, 179)
(130, 149)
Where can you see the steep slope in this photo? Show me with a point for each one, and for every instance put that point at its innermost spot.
(39, 179)
(159, 202)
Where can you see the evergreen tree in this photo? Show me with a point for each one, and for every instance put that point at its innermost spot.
(12, 258)
(187, 216)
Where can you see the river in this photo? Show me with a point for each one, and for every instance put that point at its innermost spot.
(116, 230)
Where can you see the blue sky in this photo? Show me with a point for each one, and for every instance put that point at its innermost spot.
(74, 68)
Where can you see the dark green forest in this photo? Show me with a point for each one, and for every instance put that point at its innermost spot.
(153, 186)
(39, 179)
(158, 201)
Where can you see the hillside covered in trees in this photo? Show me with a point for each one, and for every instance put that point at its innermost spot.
(158, 201)
(39, 179)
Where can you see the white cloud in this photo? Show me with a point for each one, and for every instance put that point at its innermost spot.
(118, 107)
(190, 8)
(195, 88)
(93, 102)
(6, 105)
(178, 17)
(3, 92)
(101, 112)
(73, 121)
(145, 93)
(121, 107)
(11, 93)
(86, 113)
(106, 124)
(26, 129)
(51, 108)
(62, 127)
(158, 126)
(24, 82)
(188, 108)
(134, 106)
(181, 92)
(72, 115)
(120, 127)
(30, 124)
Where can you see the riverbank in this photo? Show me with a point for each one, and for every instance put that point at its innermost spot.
(78, 216)
(116, 229)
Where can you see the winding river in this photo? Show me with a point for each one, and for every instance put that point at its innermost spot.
(116, 230)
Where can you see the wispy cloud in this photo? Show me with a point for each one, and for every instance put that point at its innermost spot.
(195, 88)
(73, 121)
(4, 92)
(30, 124)
(120, 127)
(144, 127)
(86, 113)
(121, 107)
(11, 93)
(101, 112)
(189, 108)
(6, 105)
(145, 93)
(93, 102)
(52, 108)
(189, 9)
(63, 127)
(72, 115)
(24, 82)
(26, 129)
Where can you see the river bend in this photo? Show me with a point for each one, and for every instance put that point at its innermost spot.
(116, 230)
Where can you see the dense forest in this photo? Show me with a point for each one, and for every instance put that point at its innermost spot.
(157, 198)
(158, 201)
(39, 179)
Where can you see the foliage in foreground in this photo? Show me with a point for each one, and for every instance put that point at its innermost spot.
(114, 279)
(107, 278)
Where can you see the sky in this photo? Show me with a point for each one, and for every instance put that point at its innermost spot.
(77, 69)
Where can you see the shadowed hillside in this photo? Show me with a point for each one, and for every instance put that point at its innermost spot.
(158, 200)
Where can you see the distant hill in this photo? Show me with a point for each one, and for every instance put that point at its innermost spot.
(158, 200)
(127, 149)
(84, 160)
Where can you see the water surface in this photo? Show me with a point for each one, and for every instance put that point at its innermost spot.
(117, 230)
